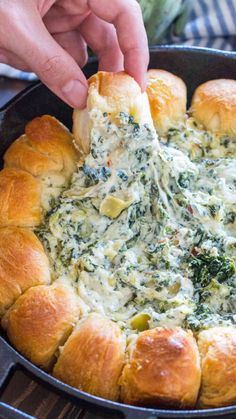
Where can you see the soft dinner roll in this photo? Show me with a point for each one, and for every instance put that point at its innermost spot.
(40, 320)
(217, 348)
(93, 357)
(23, 264)
(167, 96)
(163, 369)
(46, 149)
(214, 106)
(110, 93)
(20, 199)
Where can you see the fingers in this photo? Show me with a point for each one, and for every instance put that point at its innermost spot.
(74, 44)
(7, 57)
(126, 16)
(102, 39)
(54, 66)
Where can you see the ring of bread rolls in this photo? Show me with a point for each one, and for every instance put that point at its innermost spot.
(45, 321)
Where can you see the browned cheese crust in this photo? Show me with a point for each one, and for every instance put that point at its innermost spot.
(167, 96)
(163, 370)
(46, 149)
(41, 320)
(23, 264)
(20, 199)
(217, 348)
(214, 106)
(93, 357)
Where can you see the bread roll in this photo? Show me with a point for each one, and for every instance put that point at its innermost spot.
(217, 348)
(23, 264)
(20, 199)
(46, 149)
(93, 357)
(167, 96)
(214, 106)
(110, 93)
(41, 320)
(163, 369)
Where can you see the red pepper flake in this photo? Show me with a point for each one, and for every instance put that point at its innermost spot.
(195, 251)
(109, 163)
(189, 208)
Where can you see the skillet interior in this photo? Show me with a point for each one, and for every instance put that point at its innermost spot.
(195, 66)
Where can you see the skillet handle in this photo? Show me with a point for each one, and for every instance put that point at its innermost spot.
(9, 412)
(7, 361)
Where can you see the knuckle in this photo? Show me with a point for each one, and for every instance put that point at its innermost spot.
(53, 67)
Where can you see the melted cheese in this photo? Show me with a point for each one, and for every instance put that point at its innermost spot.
(149, 226)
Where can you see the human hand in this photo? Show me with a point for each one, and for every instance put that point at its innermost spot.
(50, 37)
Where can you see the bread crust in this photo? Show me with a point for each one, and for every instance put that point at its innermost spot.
(214, 106)
(46, 149)
(93, 357)
(23, 264)
(41, 320)
(20, 199)
(217, 348)
(167, 96)
(163, 369)
(110, 93)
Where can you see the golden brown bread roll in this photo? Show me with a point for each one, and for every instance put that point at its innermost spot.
(41, 320)
(93, 357)
(163, 369)
(23, 264)
(20, 199)
(214, 106)
(110, 93)
(46, 149)
(217, 348)
(167, 96)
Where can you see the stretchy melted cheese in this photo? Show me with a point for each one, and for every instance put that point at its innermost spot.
(146, 232)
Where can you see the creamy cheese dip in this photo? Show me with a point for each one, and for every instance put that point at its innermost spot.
(147, 230)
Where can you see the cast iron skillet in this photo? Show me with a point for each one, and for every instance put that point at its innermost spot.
(194, 65)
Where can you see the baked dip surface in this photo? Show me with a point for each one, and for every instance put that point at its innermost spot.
(127, 243)
(146, 230)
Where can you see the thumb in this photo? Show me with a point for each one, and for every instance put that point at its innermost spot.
(53, 65)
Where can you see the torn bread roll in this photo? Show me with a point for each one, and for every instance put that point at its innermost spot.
(214, 106)
(167, 96)
(23, 264)
(41, 320)
(93, 357)
(110, 93)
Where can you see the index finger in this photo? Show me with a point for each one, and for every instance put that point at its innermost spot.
(126, 16)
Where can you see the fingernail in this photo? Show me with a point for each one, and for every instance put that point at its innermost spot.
(75, 93)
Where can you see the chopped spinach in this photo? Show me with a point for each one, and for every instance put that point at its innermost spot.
(93, 176)
(206, 267)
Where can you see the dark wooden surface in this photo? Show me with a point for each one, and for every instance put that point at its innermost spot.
(23, 391)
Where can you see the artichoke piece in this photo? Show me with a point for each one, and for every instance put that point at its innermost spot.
(112, 206)
(140, 322)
